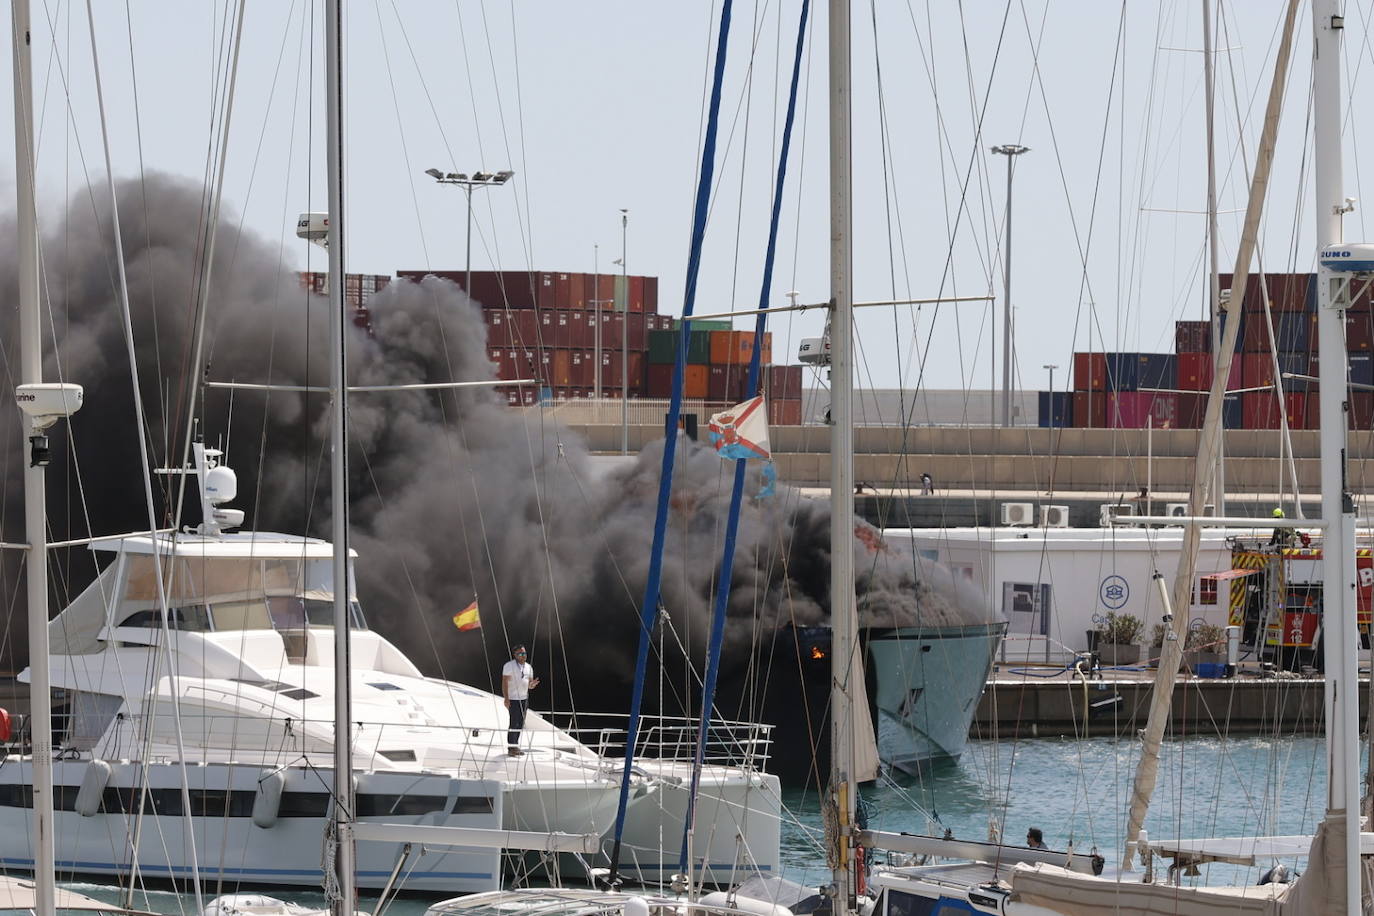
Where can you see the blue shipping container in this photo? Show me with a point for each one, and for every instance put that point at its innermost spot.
(1056, 409)
(1240, 335)
(1158, 370)
(1231, 416)
(1362, 369)
(1123, 371)
(1292, 331)
(1295, 364)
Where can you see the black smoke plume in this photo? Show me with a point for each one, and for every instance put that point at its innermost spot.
(454, 496)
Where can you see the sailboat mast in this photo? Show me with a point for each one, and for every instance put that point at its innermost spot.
(35, 491)
(844, 654)
(1214, 258)
(343, 899)
(1338, 548)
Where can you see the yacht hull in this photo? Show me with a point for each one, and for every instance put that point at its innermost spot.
(927, 682)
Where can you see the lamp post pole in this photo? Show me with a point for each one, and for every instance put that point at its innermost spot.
(1011, 151)
(468, 183)
(1051, 367)
(596, 317)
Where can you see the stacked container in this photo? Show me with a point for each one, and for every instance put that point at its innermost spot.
(1112, 389)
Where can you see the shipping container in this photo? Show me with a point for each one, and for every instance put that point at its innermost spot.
(1123, 371)
(1056, 409)
(651, 294)
(1089, 372)
(1359, 331)
(1261, 410)
(658, 380)
(636, 294)
(1190, 410)
(736, 348)
(1232, 412)
(581, 288)
(1361, 414)
(1240, 336)
(546, 291)
(554, 330)
(583, 370)
(705, 324)
(504, 361)
(1361, 368)
(1292, 332)
(784, 383)
(1090, 409)
(1287, 292)
(498, 329)
(1258, 370)
(581, 331)
(784, 413)
(663, 347)
(1296, 364)
(1158, 370)
(694, 381)
(611, 375)
(1192, 337)
(1139, 409)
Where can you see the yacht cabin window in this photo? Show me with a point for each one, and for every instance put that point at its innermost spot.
(232, 593)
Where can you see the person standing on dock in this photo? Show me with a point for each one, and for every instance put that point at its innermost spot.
(517, 680)
(927, 484)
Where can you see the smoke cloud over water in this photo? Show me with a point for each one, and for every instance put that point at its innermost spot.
(454, 496)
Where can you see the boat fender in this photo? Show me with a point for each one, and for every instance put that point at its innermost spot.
(92, 791)
(6, 730)
(267, 801)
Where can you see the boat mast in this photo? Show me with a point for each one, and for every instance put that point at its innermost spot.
(844, 660)
(1209, 446)
(342, 897)
(35, 491)
(1214, 265)
(1341, 693)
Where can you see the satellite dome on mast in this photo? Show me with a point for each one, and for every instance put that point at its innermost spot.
(1350, 257)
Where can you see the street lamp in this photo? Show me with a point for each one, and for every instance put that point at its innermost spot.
(624, 305)
(1011, 151)
(478, 179)
(1051, 367)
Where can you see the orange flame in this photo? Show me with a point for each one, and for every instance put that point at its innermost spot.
(816, 652)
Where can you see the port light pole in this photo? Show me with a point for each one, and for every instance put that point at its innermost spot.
(468, 183)
(1011, 151)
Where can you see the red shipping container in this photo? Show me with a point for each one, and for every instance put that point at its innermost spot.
(1361, 415)
(562, 290)
(498, 329)
(651, 294)
(579, 329)
(1359, 331)
(637, 328)
(784, 413)
(1089, 372)
(545, 292)
(636, 294)
(612, 330)
(658, 381)
(1190, 411)
(1139, 409)
(724, 383)
(1195, 372)
(557, 329)
(1255, 335)
(560, 367)
(1192, 337)
(580, 289)
(1287, 292)
(524, 327)
(694, 383)
(1090, 409)
(1260, 410)
(1258, 370)
(582, 371)
(611, 375)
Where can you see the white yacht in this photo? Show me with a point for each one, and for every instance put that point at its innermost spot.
(236, 722)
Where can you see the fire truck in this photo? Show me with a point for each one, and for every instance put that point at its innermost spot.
(1276, 597)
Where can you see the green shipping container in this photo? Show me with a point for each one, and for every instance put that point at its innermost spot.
(705, 325)
(663, 347)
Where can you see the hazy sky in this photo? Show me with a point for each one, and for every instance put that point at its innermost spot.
(599, 106)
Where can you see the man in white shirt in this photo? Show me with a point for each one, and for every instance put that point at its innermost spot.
(517, 680)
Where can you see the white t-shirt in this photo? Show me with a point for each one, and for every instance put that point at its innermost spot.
(520, 674)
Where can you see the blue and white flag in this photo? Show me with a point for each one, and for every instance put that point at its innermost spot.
(741, 431)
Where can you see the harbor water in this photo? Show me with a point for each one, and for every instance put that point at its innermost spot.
(1075, 791)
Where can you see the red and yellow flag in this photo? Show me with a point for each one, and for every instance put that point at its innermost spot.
(468, 618)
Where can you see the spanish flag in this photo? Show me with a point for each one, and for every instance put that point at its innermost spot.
(468, 618)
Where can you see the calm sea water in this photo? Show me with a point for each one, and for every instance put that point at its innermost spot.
(1074, 791)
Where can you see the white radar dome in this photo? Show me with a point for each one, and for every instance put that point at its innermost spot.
(1349, 257)
(221, 484)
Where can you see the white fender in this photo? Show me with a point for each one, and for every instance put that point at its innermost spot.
(93, 783)
(267, 802)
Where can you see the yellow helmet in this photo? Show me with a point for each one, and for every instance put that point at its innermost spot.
(1278, 513)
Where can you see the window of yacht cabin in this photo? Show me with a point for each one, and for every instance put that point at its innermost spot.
(195, 618)
(899, 903)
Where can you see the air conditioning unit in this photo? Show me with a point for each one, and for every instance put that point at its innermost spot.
(1175, 509)
(1014, 514)
(1054, 516)
(1108, 513)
